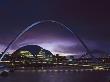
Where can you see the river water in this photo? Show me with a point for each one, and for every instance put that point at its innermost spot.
(56, 76)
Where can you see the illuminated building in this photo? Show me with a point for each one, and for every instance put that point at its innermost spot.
(45, 55)
(26, 54)
(35, 56)
(31, 54)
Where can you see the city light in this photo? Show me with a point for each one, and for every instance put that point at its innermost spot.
(44, 59)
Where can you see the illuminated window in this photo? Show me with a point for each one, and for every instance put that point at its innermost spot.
(26, 54)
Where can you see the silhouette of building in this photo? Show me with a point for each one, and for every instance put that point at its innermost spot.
(31, 54)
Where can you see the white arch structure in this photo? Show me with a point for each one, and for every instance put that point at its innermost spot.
(39, 22)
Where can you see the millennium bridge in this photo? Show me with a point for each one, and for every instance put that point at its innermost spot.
(35, 57)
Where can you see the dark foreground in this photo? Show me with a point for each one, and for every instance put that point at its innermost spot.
(56, 76)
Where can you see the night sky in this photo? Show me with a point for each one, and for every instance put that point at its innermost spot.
(90, 19)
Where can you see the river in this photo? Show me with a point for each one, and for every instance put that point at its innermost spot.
(56, 76)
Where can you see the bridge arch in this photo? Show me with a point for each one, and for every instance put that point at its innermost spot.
(40, 22)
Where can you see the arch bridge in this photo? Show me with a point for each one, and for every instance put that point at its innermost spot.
(44, 21)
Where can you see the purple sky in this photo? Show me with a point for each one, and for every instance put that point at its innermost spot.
(90, 19)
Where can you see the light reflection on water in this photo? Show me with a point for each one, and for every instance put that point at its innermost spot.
(58, 76)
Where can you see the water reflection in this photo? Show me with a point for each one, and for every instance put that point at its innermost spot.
(56, 76)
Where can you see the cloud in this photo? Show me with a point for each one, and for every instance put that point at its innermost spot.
(63, 47)
(2, 47)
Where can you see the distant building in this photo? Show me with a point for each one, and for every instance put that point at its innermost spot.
(45, 55)
(30, 53)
